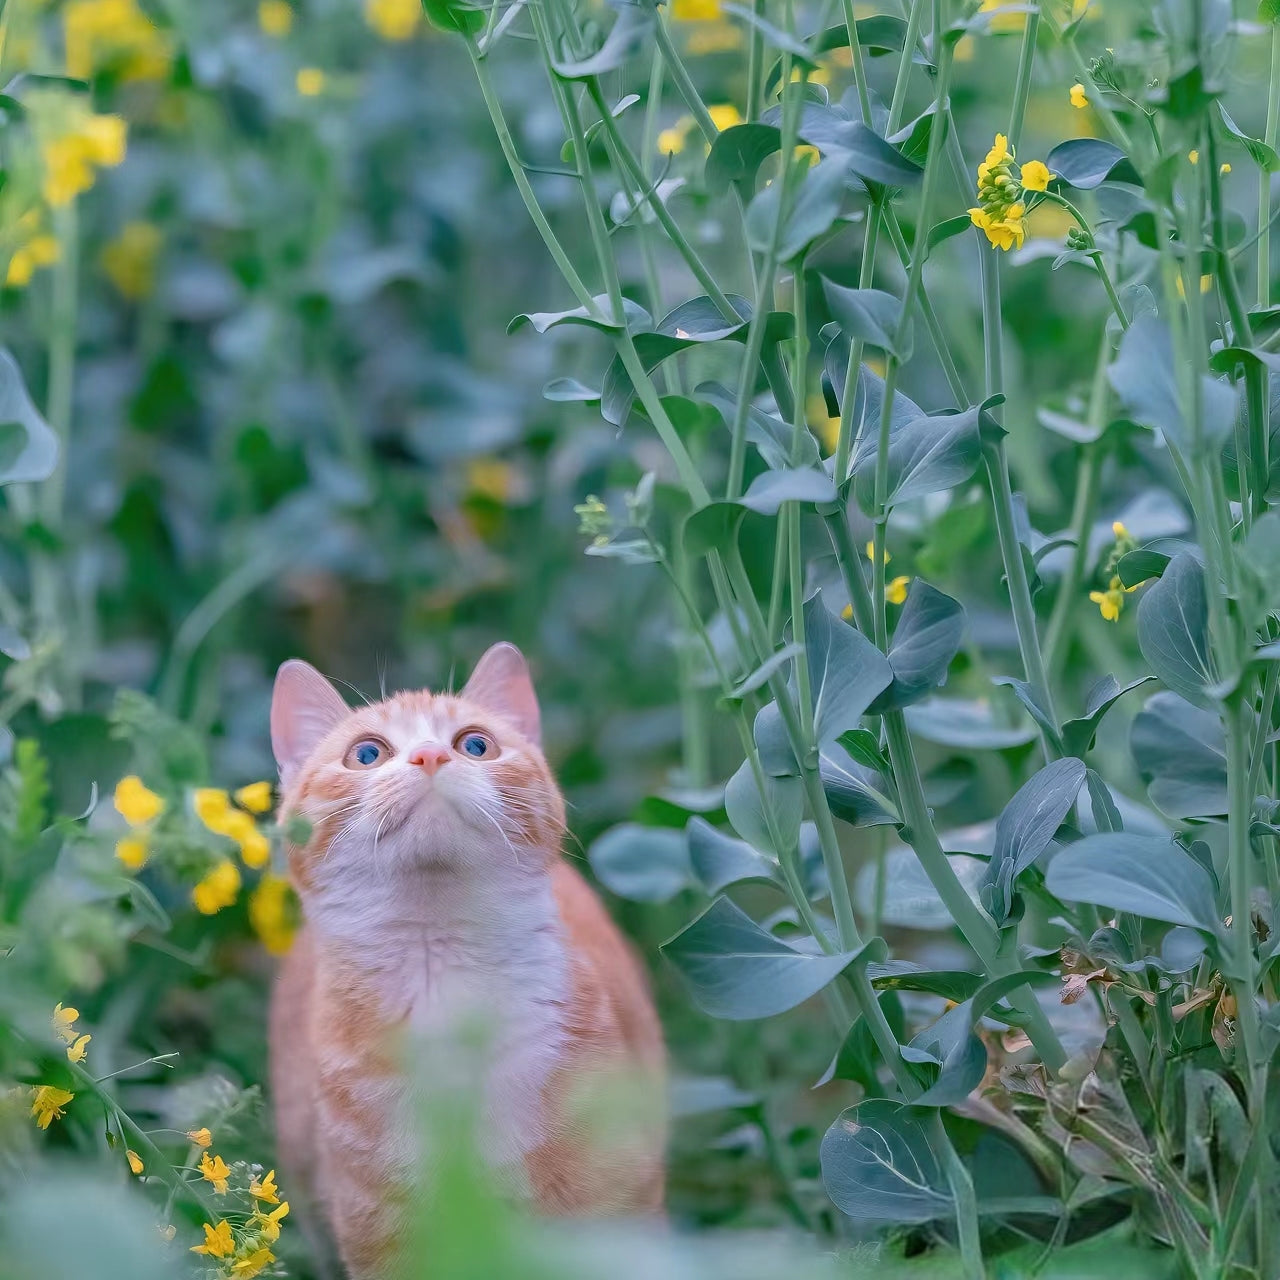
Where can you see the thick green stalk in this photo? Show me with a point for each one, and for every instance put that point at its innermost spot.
(1264, 178)
(968, 1233)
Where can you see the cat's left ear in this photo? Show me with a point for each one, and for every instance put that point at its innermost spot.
(501, 683)
(304, 707)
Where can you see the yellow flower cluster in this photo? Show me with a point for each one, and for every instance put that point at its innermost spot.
(244, 1250)
(1111, 601)
(695, 10)
(73, 153)
(220, 886)
(36, 249)
(130, 259)
(671, 141)
(47, 1103)
(139, 807)
(273, 913)
(275, 17)
(393, 19)
(1002, 203)
(310, 81)
(63, 1022)
(113, 35)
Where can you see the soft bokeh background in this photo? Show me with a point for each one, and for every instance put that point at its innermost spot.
(297, 426)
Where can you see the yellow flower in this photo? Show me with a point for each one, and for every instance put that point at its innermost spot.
(310, 81)
(62, 1022)
(218, 889)
(847, 613)
(201, 1137)
(256, 797)
(275, 17)
(724, 116)
(253, 1263)
(213, 1169)
(1111, 601)
(268, 1224)
(1194, 156)
(1118, 528)
(1078, 98)
(135, 803)
(1035, 175)
(273, 913)
(1206, 283)
(1224, 169)
(218, 1241)
(106, 138)
(393, 19)
(40, 251)
(671, 141)
(113, 33)
(76, 1051)
(47, 1104)
(871, 553)
(130, 259)
(1003, 22)
(810, 155)
(135, 1162)
(211, 805)
(895, 592)
(695, 10)
(70, 157)
(266, 1189)
(713, 37)
(132, 852)
(255, 849)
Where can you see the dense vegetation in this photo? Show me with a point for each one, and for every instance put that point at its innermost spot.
(906, 374)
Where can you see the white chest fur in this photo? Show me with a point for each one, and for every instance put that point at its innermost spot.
(477, 978)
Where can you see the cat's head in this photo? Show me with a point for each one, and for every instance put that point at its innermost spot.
(417, 780)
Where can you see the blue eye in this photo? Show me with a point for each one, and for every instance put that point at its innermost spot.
(366, 754)
(475, 745)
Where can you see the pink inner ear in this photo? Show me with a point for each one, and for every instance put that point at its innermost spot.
(304, 707)
(501, 684)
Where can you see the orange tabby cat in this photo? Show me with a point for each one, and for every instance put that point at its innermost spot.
(434, 893)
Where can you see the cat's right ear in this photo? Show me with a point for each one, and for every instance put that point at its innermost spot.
(304, 707)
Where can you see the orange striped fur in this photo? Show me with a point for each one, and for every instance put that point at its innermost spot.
(436, 900)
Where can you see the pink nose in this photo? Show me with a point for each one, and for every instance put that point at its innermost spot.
(429, 756)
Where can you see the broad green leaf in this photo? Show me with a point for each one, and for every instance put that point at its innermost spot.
(452, 15)
(1025, 829)
(733, 969)
(869, 314)
(737, 154)
(762, 673)
(1078, 734)
(948, 228)
(30, 447)
(868, 397)
(968, 724)
(1181, 751)
(956, 985)
(878, 1166)
(1149, 876)
(773, 438)
(749, 813)
(814, 207)
(644, 864)
(854, 793)
(1173, 630)
(1027, 696)
(712, 528)
(1140, 565)
(864, 748)
(846, 671)
(698, 1095)
(569, 390)
(1144, 378)
(629, 31)
(910, 900)
(1085, 163)
(770, 489)
(926, 639)
(718, 860)
(635, 318)
(866, 154)
(912, 140)
(926, 456)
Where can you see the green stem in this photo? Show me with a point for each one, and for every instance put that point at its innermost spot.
(1264, 178)
(1022, 80)
(968, 1234)
(682, 80)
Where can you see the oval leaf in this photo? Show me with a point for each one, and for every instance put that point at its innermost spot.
(644, 864)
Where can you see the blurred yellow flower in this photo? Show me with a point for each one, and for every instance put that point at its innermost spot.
(1194, 156)
(871, 553)
(724, 116)
(1118, 528)
(47, 1104)
(40, 250)
(255, 849)
(713, 37)
(135, 802)
(214, 1170)
(201, 1137)
(1078, 98)
(132, 852)
(256, 797)
(1206, 283)
(70, 158)
(76, 1051)
(63, 1023)
(265, 1189)
(211, 804)
(393, 19)
(275, 17)
(218, 1241)
(268, 1224)
(135, 1162)
(273, 913)
(895, 592)
(1224, 169)
(695, 10)
(490, 478)
(130, 259)
(1003, 23)
(671, 141)
(1035, 175)
(253, 1264)
(310, 81)
(115, 35)
(218, 889)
